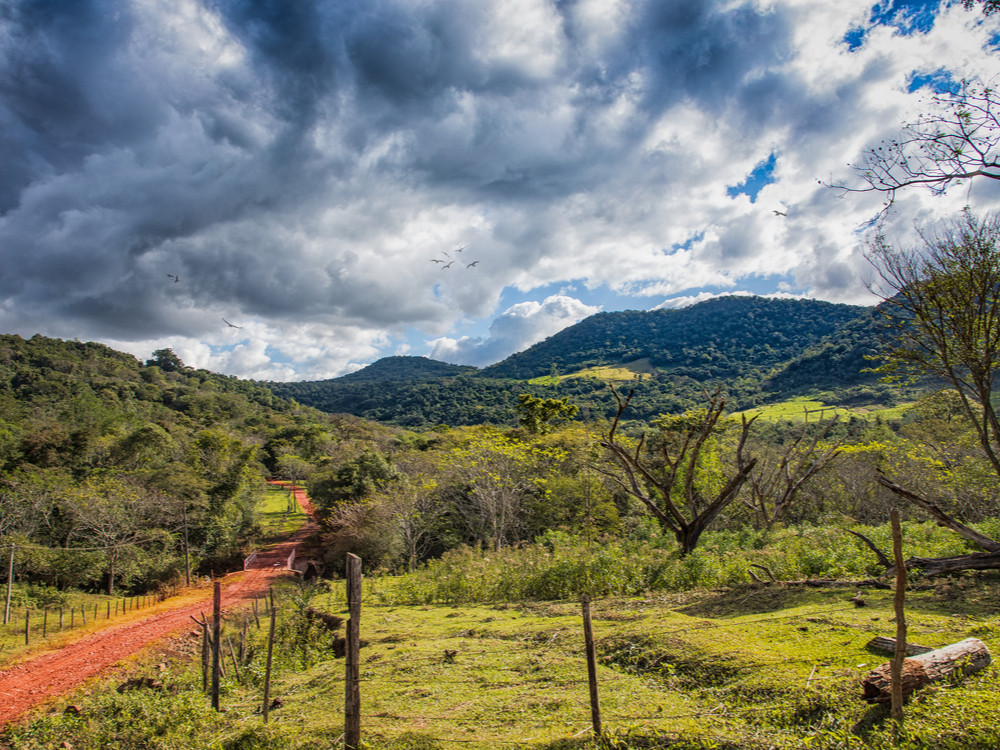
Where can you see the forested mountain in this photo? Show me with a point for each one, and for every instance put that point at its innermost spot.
(717, 339)
(758, 349)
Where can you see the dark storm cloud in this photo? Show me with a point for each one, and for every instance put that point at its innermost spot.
(301, 163)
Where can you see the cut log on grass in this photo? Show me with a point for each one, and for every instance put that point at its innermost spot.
(962, 658)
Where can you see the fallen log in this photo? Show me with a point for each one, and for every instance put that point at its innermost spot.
(935, 566)
(964, 657)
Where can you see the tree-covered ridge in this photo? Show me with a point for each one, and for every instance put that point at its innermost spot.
(719, 338)
(742, 343)
(406, 369)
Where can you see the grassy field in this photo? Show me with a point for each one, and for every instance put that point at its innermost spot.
(750, 667)
(639, 369)
(278, 515)
(799, 409)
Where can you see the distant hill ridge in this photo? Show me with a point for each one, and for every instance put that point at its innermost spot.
(759, 349)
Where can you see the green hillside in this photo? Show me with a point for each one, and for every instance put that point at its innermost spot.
(760, 350)
(103, 457)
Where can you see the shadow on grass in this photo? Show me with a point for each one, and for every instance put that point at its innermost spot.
(759, 600)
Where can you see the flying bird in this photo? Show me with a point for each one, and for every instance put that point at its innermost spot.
(231, 325)
(175, 277)
(473, 263)
(461, 248)
(779, 213)
(447, 265)
(437, 260)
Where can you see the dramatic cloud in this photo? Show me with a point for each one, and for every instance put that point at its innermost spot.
(299, 167)
(516, 328)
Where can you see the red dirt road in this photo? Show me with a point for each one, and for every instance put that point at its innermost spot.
(31, 682)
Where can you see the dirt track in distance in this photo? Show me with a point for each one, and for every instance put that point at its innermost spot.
(31, 682)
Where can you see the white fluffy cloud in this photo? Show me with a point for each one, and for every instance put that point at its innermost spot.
(301, 171)
(516, 328)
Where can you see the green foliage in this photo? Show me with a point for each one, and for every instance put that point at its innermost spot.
(538, 415)
(351, 482)
(100, 452)
(562, 566)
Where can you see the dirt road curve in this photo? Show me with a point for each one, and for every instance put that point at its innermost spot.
(25, 685)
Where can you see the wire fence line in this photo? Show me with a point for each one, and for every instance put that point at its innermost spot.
(561, 650)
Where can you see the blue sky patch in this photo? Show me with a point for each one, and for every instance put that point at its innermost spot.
(906, 16)
(855, 37)
(762, 174)
(940, 82)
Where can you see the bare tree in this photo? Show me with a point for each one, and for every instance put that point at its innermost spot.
(958, 139)
(776, 486)
(941, 303)
(665, 475)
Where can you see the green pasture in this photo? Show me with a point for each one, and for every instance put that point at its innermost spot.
(746, 667)
(811, 410)
(639, 369)
(278, 515)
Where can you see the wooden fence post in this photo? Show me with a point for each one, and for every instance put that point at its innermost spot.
(236, 665)
(45, 623)
(588, 637)
(352, 697)
(216, 641)
(898, 600)
(27, 626)
(83, 614)
(267, 670)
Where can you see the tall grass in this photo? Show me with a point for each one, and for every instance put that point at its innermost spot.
(561, 565)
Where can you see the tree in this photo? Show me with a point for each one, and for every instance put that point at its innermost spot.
(539, 415)
(665, 474)
(498, 475)
(959, 139)
(776, 487)
(117, 516)
(166, 360)
(989, 7)
(353, 481)
(942, 306)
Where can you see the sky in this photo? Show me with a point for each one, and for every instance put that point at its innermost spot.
(291, 190)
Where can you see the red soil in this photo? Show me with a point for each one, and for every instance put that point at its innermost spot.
(31, 682)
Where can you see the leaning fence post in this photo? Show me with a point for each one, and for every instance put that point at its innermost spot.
(898, 600)
(352, 697)
(216, 641)
(588, 637)
(267, 670)
(204, 654)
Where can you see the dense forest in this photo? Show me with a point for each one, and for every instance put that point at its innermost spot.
(760, 350)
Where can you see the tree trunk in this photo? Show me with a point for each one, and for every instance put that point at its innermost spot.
(965, 657)
(111, 571)
(942, 518)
